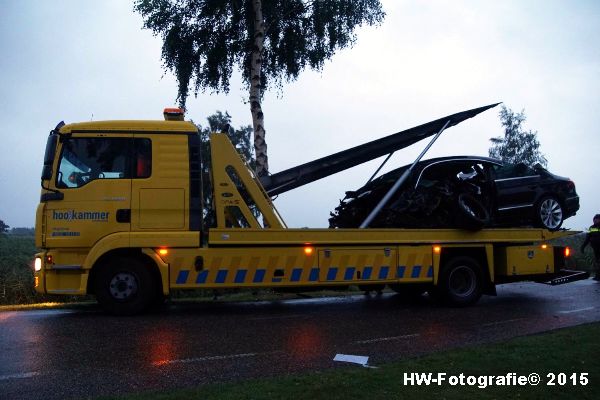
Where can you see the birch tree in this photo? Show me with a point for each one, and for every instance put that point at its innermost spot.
(517, 145)
(269, 41)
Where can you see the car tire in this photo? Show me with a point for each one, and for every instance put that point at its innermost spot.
(125, 286)
(549, 213)
(471, 215)
(461, 282)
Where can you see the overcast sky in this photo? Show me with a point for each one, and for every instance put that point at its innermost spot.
(81, 60)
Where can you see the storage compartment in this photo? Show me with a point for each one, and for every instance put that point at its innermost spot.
(524, 260)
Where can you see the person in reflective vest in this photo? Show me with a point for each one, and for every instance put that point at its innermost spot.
(593, 238)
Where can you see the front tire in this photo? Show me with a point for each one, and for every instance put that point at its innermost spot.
(549, 213)
(461, 282)
(125, 286)
(471, 215)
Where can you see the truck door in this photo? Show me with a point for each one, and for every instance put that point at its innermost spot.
(94, 174)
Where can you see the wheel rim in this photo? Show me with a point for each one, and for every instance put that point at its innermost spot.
(123, 286)
(462, 281)
(551, 213)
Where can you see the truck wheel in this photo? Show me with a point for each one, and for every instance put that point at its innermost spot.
(124, 286)
(461, 282)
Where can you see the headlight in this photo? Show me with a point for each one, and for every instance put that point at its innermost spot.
(37, 264)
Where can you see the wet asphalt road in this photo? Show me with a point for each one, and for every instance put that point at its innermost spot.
(64, 354)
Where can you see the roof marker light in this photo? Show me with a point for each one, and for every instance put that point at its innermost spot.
(173, 114)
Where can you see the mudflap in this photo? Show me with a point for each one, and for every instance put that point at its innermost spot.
(566, 276)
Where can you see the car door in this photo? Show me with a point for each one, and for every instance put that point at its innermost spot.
(516, 188)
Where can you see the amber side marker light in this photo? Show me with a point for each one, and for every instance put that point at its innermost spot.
(308, 250)
(437, 249)
(567, 251)
(163, 252)
(544, 246)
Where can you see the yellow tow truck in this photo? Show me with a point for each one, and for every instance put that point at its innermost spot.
(121, 216)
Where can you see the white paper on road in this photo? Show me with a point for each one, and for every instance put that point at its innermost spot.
(362, 360)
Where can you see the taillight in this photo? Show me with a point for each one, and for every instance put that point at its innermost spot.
(567, 252)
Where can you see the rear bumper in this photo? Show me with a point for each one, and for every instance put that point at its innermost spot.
(571, 205)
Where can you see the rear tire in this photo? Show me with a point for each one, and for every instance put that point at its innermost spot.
(461, 282)
(125, 286)
(549, 213)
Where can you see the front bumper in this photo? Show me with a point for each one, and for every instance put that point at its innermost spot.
(55, 279)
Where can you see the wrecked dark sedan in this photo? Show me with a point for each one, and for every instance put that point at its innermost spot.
(462, 192)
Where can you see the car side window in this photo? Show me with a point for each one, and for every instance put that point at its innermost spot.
(513, 171)
(87, 159)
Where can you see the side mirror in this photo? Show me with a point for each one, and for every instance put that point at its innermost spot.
(46, 172)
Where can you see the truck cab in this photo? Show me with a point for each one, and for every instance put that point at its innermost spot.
(104, 181)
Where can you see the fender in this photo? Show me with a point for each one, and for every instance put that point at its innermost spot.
(113, 241)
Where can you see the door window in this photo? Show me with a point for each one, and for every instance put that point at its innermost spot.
(87, 159)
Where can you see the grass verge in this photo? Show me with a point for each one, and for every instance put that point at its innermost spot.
(567, 351)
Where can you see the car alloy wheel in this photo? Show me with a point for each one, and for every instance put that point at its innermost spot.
(551, 214)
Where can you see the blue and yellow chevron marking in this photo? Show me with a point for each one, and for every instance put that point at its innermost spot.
(259, 276)
(242, 276)
(336, 265)
(182, 277)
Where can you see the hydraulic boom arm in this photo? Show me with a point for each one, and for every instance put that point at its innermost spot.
(314, 170)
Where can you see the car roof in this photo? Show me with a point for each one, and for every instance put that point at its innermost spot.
(395, 173)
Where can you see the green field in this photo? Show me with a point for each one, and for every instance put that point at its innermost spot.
(16, 269)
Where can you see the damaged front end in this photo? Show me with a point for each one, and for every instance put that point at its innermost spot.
(455, 194)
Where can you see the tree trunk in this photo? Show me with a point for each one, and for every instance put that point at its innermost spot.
(260, 145)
